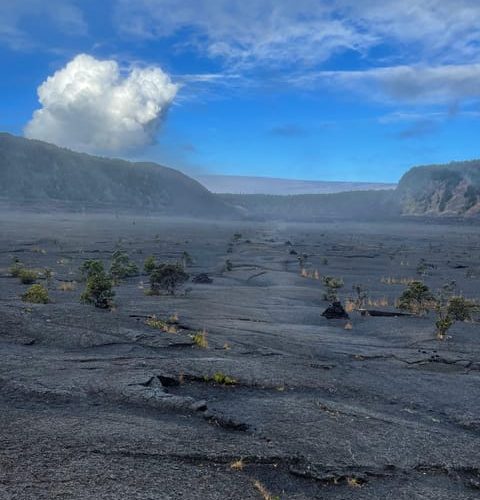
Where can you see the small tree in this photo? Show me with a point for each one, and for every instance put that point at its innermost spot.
(167, 277)
(91, 267)
(121, 266)
(332, 285)
(461, 309)
(98, 290)
(417, 298)
(150, 264)
(450, 310)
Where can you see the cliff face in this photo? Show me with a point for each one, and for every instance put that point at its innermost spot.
(446, 190)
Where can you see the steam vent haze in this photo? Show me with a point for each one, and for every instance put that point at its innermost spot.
(239, 249)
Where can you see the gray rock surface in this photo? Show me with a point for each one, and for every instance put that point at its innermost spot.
(100, 405)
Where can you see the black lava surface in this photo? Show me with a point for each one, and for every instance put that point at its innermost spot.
(100, 405)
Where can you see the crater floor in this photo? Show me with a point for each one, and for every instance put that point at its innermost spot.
(99, 405)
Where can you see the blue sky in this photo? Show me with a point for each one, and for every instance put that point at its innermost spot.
(311, 89)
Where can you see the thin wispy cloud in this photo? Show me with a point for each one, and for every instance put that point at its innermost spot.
(309, 31)
(417, 84)
(289, 130)
(430, 50)
(64, 15)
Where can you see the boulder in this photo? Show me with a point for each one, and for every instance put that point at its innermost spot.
(335, 311)
(202, 278)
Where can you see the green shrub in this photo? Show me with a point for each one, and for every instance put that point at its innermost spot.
(450, 310)
(417, 298)
(91, 267)
(221, 378)
(16, 267)
(28, 276)
(461, 309)
(149, 264)
(443, 324)
(121, 266)
(167, 278)
(98, 290)
(36, 294)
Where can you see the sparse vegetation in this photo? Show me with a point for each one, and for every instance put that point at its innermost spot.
(91, 267)
(452, 309)
(122, 267)
(149, 264)
(167, 278)
(237, 464)
(461, 309)
(417, 298)
(98, 289)
(266, 495)
(332, 285)
(200, 339)
(313, 274)
(396, 281)
(221, 379)
(167, 326)
(36, 294)
(361, 296)
(48, 275)
(67, 286)
(28, 276)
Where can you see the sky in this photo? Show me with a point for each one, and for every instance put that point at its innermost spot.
(349, 90)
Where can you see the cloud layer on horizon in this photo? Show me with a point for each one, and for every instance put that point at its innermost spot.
(90, 106)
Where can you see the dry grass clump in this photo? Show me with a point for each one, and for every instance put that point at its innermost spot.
(67, 286)
(201, 339)
(380, 302)
(353, 482)
(265, 494)
(237, 464)
(389, 280)
(162, 325)
(313, 274)
(350, 306)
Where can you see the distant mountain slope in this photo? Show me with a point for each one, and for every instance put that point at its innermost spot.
(37, 171)
(311, 207)
(237, 184)
(452, 189)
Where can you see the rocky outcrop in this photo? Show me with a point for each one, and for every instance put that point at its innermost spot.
(446, 190)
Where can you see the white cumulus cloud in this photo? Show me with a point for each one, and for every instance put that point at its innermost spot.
(91, 106)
